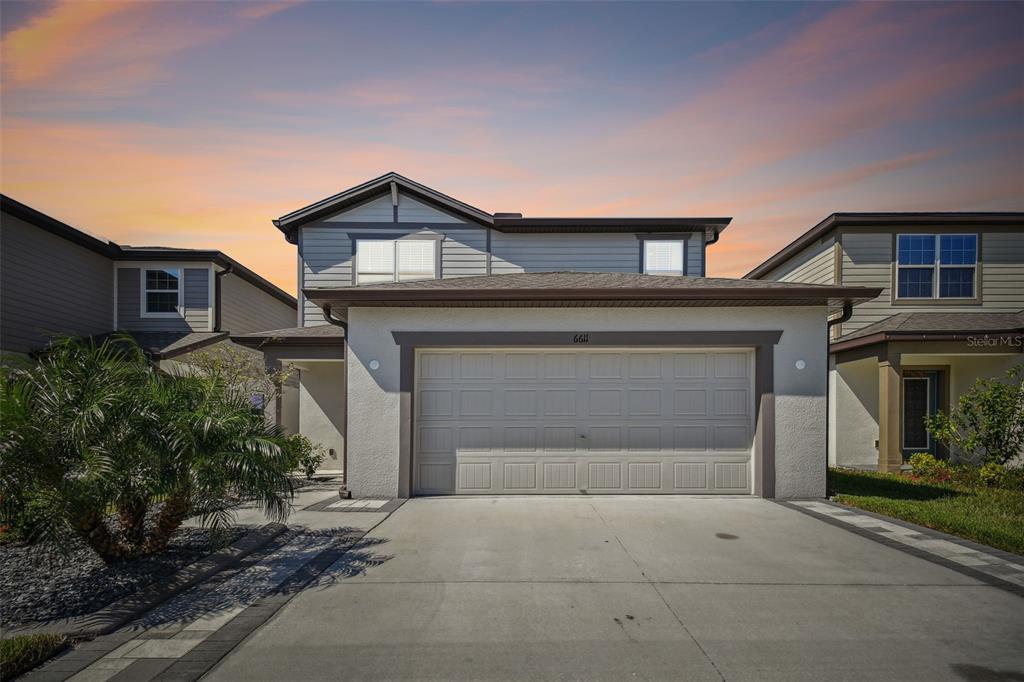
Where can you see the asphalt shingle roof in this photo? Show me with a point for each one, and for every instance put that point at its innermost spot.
(586, 280)
(935, 323)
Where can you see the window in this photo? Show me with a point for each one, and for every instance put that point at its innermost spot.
(161, 294)
(936, 266)
(664, 256)
(395, 260)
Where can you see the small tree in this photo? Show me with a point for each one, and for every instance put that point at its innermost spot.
(242, 369)
(987, 423)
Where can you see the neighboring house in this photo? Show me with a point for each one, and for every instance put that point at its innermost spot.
(446, 350)
(950, 312)
(58, 280)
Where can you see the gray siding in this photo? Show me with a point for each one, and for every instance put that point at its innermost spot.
(620, 252)
(325, 247)
(246, 309)
(814, 265)
(196, 302)
(547, 252)
(867, 261)
(326, 252)
(49, 285)
(377, 210)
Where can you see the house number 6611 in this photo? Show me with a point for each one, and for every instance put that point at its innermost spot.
(581, 338)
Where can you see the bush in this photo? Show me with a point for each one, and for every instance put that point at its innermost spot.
(94, 428)
(987, 423)
(305, 455)
(925, 466)
(992, 474)
(20, 654)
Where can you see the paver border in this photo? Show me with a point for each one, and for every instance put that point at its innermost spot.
(118, 613)
(322, 506)
(883, 538)
(208, 653)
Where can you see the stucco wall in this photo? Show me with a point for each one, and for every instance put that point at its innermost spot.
(855, 421)
(322, 408)
(374, 419)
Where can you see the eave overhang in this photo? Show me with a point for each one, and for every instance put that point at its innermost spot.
(1011, 339)
(835, 297)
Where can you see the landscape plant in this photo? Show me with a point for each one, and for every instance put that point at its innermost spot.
(307, 456)
(987, 423)
(97, 444)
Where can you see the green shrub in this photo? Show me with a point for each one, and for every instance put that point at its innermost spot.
(93, 429)
(987, 423)
(20, 654)
(305, 455)
(992, 474)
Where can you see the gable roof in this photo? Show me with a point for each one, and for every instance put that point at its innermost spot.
(588, 288)
(119, 252)
(926, 218)
(373, 188)
(502, 222)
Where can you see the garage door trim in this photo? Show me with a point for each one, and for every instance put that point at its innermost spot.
(762, 341)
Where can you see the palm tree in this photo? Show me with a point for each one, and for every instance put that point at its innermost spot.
(92, 429)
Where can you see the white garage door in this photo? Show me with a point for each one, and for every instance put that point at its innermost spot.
(596, 421)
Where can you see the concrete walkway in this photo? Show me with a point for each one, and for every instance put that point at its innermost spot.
(628, 587)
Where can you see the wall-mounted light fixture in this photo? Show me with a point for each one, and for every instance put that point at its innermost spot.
(374, 365)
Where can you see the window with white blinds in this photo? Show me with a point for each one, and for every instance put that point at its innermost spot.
(395, 260)
(663, 257)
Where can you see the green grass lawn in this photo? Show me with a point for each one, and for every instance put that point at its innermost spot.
(991, 516)
(21, 654)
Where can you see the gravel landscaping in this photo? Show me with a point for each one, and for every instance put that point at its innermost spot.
(77, 583)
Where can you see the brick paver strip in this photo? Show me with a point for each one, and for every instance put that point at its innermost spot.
(202, 659)
(919, 550)
(113, 616)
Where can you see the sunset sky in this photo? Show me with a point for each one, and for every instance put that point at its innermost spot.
(195, 123)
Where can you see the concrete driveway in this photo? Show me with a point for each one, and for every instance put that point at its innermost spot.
(611, 588)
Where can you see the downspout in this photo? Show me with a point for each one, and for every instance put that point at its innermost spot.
(704, 252)
(335, 321)
(217, 320)
(846, 315)
(343, 492)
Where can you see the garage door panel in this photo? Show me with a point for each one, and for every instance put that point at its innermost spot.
(551, 421)
(520, 476)
(690, 476)
(604, 475)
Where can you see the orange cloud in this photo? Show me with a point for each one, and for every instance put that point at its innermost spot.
(66, 33)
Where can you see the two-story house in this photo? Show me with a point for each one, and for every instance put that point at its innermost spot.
(951, 310)
(446, 350)
(58, 280)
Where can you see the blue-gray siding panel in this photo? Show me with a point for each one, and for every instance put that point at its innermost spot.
(247, 309)
(49, 285)
(196, 303)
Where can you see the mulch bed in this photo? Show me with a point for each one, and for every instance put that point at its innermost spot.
(62, 585)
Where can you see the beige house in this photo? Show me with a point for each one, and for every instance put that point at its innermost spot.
(949, 312)
(446, 350)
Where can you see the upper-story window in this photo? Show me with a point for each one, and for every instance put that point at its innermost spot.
(395, 260)
(936, 266)
(161, 291)
(664, 256)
